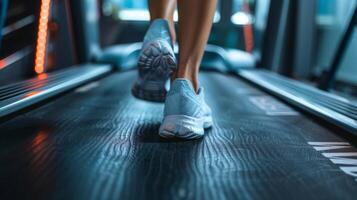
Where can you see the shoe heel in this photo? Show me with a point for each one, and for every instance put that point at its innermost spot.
(156, 64)
(157, 57)
(208, 122)
(143, 91)
(181, 126)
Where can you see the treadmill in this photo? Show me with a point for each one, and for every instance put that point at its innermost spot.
(78, 133)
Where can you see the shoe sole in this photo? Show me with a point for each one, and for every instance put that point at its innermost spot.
(184, 127)
(156, 64)
(150, 91)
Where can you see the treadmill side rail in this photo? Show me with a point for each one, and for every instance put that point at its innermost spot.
(17, 96)
(332, 108)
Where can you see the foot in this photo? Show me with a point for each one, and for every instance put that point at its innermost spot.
(186, 113)
(156, 62)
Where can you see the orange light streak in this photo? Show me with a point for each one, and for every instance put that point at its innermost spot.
(40, 56)
(2, 64)
(42, 76)
(30, 94)
(248, 30)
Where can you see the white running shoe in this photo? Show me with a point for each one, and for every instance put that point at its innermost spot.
(156, 62)
(186, 113)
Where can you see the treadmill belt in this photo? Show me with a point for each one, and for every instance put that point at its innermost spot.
(99, 142)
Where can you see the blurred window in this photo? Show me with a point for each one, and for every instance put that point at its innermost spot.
(238, 24)
(332, 19)
(251, 15)
(128, 10)
(243, 12)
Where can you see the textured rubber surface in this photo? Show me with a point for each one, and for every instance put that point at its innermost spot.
(104, 144)
(156, 64)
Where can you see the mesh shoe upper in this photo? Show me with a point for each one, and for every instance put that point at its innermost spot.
(183, 100)
(159, 30)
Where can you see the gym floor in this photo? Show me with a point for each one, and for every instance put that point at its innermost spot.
(99, 142)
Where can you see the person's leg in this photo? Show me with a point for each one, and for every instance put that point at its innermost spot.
(163, 9)
(157, 61)
(186, 113)
(195, 22)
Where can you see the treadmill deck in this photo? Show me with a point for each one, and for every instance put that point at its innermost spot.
(99, 142)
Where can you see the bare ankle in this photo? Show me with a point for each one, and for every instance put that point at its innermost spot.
(192, 77)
